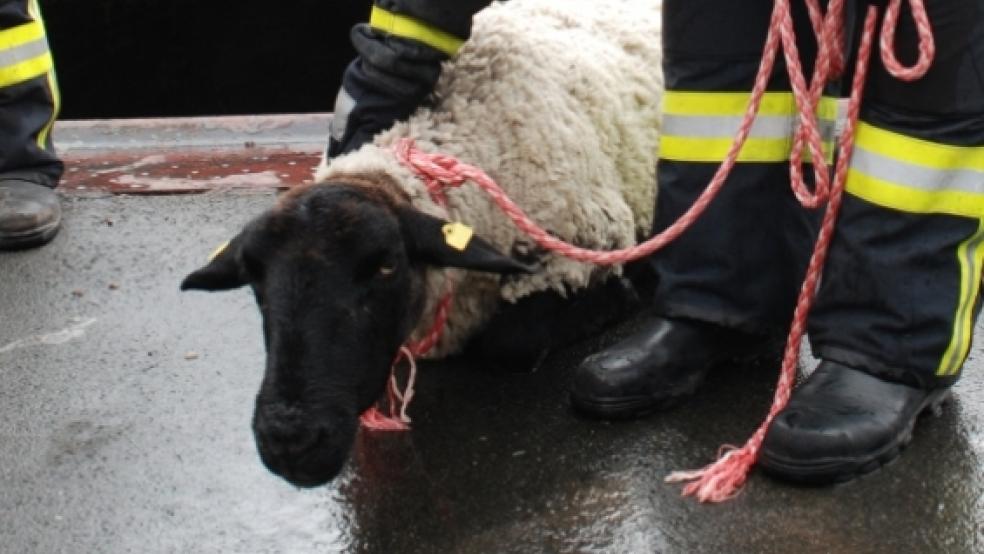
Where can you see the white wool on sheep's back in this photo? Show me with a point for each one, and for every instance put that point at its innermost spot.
(558, 101)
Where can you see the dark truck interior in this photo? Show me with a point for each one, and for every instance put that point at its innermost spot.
(160, 58)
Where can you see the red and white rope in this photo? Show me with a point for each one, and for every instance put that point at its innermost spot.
(722, 479)
(399, 401)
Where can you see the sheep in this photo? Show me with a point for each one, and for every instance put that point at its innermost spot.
(559, 103)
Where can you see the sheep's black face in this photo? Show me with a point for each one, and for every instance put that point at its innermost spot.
(337, 272)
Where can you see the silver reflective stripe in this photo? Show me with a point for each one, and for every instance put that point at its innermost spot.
(772, 126)
(24, 52)
(339, 121)
(828, 129)
(765, 126)
(840, 120)
(917, 176)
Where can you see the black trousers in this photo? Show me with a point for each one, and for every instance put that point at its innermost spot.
(28, 96)
(901, 288)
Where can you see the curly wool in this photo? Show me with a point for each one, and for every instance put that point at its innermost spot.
(559, 103)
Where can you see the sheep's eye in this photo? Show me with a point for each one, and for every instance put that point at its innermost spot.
(376, 267)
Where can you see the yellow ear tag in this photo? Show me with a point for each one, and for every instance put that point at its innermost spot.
(222, 248)
(457, 235)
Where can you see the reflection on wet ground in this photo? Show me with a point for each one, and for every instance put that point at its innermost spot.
(125, 409)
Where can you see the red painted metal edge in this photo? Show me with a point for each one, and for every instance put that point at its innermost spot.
(190, 155)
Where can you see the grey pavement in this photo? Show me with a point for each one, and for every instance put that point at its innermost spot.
(125, 413)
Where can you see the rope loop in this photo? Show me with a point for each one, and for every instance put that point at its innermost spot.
(927, 44)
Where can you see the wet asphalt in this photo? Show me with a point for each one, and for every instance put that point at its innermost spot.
(125, 413)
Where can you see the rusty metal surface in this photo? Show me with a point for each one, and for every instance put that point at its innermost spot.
(190, 155)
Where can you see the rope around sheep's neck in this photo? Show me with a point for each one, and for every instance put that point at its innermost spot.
(723, 479)
(399, 401)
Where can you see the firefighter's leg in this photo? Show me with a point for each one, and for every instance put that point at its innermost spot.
(732, 278)
(400, 54)
(29, 169)
(895, 312)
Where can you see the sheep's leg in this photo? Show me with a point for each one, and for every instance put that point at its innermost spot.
(521, 335)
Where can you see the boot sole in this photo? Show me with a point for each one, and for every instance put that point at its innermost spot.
(632, 407)
(838, 470)
(616, 408)
(35, 237)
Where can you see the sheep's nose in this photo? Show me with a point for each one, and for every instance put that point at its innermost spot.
(282, 432)
(305, 448)
(287, 444)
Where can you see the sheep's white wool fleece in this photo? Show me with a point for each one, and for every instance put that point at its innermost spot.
(558, 101)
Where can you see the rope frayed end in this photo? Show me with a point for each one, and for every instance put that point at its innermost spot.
(374, 420)
(398, 420)
(720, 481)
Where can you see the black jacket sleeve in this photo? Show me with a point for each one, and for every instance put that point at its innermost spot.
(392, 75)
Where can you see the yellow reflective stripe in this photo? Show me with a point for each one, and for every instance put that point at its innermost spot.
(830, 108)
(970, 256)
(55, 109)
(716, 149)
(23, 70)
(21, 34)
(34, 9)
(725, 103)
(735, 103)
(828, 152)
(686, 149)
(918, 151)
(404, 26)
(908, 199)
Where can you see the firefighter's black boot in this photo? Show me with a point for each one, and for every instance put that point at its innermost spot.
(30, 214)
(841, 423)
(652, 369)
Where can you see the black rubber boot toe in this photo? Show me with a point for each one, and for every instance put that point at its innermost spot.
(842, 423)
(30, 214)
(655, 367)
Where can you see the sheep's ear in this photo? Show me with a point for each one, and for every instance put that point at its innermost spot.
(222, 272)
(438, 242)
